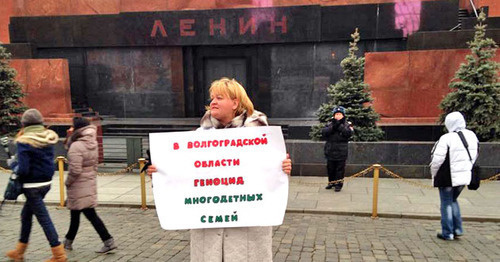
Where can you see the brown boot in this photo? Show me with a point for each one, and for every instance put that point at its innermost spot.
(18, 253)
(58, 254)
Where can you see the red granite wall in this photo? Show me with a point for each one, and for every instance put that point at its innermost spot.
(494, 6)
(143, 5)
(45, 80)
(411, 84)
(336, 2)
(6, 11)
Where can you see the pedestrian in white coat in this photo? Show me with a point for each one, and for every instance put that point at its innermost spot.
(450, 150)
(231, 108)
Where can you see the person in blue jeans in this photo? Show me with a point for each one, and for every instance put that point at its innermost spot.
(35, 167)
(450, 155)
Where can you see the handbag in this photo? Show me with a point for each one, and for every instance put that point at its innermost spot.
(14, 188)
(475, 180)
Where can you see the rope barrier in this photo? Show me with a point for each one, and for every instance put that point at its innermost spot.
(389, 173)
(359, 174)
(129, 169)
(345, 179)
(490, 179)
(411, 182)
(61, 160)
(375, 168)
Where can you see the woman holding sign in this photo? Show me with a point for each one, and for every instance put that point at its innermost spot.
(230, 107)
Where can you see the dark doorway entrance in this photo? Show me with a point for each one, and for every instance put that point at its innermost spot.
(215, 62)
(216, 68)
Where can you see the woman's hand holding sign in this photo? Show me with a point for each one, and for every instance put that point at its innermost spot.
(151, 169)
(287, 165)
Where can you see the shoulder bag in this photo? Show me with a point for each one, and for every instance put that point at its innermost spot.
(475, 180)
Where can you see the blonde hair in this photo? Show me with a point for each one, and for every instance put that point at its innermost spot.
(234, 90)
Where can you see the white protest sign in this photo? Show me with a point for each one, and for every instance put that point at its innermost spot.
(219, 178)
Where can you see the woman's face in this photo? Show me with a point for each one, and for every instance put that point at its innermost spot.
(223, 107)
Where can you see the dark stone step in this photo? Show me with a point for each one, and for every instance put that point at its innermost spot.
(291, 128)
(144, 131)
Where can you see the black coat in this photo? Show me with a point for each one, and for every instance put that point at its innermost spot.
(336, 134)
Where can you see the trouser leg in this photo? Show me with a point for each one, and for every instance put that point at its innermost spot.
(446, 197)
(35, 202)
(97, 223)
(457, 217)
(74, 224)
(330, 167)
(339, 172)
(26, 223)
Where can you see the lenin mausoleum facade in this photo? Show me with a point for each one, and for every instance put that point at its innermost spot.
(156, 58)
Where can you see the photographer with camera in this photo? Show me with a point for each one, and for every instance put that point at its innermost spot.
(336, 133)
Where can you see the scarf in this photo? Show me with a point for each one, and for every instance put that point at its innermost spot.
(256, 119)
(37, 136)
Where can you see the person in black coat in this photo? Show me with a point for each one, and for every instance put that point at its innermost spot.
(336, 133)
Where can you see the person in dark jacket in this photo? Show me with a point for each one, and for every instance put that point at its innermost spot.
(82, 182)
(35, 167)
(336, 133)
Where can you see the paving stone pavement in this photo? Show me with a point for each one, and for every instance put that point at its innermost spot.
(302, 237)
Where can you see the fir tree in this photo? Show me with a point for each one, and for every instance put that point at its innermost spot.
(10, 94)
(353, 94)
(476, 89)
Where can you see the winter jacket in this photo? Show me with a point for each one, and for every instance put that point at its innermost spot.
(232, 244)
(336, 134)
(35, 156)
(81, 182)
(460, 164)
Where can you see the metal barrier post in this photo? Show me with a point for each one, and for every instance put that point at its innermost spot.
(376, 172)
(60, 163)
(142, 162)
